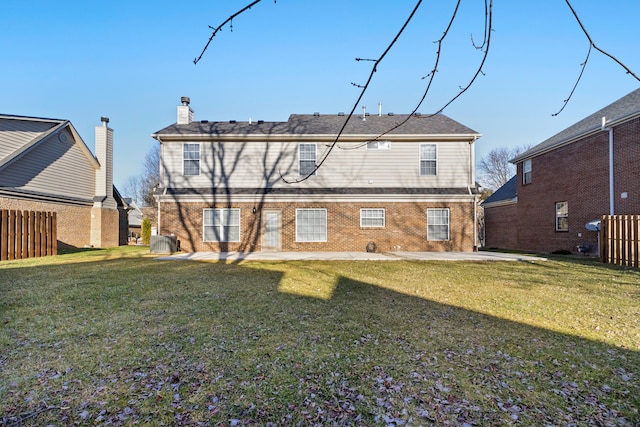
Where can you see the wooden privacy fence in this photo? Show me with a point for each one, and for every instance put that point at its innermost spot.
(619, 240)
(27, 234)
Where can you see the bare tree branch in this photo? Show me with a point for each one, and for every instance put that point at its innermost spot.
(219, 27)
(431, 75)
(374, 68)
(495, 169)
(485, 45)
(584, 65)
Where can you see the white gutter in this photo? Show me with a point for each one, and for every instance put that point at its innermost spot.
(611, 174)
(161, 175)
(472, 178)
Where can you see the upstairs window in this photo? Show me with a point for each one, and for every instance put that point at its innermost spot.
(428, 159)
(379, 145)
(371, 217)
(307, 157)
(526, 172)
(438, 224)
(562, 216)
(191, 159)
(221, 225)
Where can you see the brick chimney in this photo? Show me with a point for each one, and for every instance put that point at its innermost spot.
(104, 213)
(185, 113)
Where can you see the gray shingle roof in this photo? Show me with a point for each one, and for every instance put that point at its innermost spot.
(623, 109)
(507, 192)
(311, 124)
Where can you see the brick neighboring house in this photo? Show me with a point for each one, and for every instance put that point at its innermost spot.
(222, 186)
(588, 170)
(46, 166)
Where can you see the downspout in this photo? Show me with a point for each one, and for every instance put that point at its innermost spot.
(475, 197)
(161, 179)
(611, 174)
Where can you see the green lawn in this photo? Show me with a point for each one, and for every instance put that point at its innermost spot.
(114, 337)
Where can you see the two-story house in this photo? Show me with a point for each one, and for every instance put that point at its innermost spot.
(588, 170)
(254, 186)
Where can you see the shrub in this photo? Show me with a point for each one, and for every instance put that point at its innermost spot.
(146, 231)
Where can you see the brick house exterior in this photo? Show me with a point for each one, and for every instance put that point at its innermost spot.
(46, 166)
(568, 183)
(240, 186)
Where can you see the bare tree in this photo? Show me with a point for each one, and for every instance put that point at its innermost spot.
(495, 169)
(140, 187)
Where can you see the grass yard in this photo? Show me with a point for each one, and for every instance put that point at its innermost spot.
(114, 337)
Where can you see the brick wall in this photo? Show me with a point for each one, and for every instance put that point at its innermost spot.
(578, 173)
(74, 222)
(501, 226)
(627, 166)
(405, 228)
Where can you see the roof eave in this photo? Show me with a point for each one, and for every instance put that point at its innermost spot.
(534, 153)
(314, 137)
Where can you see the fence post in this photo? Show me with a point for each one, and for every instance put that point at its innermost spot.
(4, 234)
(635, 244)
(18, 236)
(25, 234)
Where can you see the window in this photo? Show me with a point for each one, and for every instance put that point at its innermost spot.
(437, 224)
(526, 172)
(562, 216)
(379, 145)
(428, 159)
(221, 225)
(307, 158)
(191, 159)
(311, 225)
(371, 217)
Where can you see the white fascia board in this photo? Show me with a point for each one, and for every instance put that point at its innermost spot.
(316, 198)
(499, 203)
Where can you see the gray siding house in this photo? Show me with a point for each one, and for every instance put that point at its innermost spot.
(389, 184)
(46, 166)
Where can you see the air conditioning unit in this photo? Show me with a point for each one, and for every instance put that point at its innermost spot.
(163, 244)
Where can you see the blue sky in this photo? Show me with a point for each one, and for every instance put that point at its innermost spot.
(133, 60)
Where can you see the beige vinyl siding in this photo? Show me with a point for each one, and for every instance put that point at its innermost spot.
(260, 164)
(16, 133)
(54, 167)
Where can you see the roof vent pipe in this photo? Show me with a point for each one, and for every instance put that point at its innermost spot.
(364, 113)
(379, 109)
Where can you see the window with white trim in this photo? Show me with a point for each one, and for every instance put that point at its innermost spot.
(307, 156)
(438, 224)
(379, 145)
(191, 159)
(562, 216)
(526, 172)
(221, 225)
(428, 159)
(311, 225)
(372, 217)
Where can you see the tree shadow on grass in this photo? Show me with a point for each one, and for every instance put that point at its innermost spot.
(124, 341)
